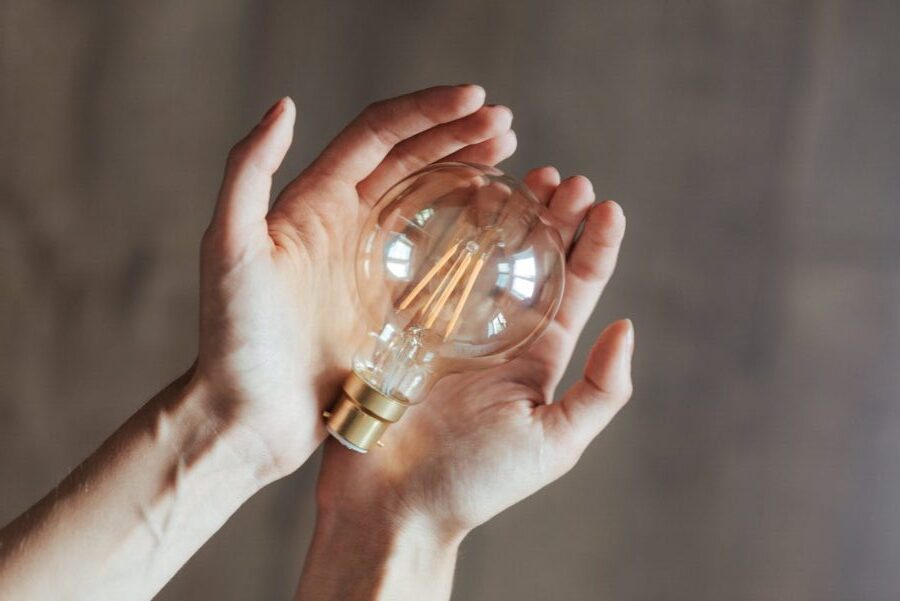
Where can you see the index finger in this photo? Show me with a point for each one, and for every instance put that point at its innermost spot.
(367, 140)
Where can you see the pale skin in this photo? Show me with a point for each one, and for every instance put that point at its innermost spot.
(278, 326)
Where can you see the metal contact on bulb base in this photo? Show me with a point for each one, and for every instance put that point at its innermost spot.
(353, 427)
(362, 414)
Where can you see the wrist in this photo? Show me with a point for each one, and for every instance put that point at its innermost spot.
(145, 501)
(275, 436)
(375, 500)
(376, 529)
(378, 554)
(202, 423)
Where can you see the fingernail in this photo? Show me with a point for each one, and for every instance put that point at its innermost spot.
(629, 335)
(502, 108)
(618, 206)
(273, 112)
(481, 92)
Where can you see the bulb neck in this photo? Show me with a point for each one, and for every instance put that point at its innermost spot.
(362, 414)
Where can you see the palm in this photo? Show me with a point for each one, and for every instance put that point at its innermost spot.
(485, 440)
(479, 433)
(279, 320)
(319, 262)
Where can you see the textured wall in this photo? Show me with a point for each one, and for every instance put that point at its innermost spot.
(754, 146)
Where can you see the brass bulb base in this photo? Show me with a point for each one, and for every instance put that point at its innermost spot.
(361, 414)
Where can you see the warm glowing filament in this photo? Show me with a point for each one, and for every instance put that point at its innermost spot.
(459, 268)
(424, 282)
(442, 285)
(465, 295)
(445, 295)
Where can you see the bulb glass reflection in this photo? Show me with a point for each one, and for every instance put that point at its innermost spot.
(458, 268)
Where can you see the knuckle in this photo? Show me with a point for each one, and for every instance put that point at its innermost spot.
(210, 238)
(237, 153)
(372, 109)
(378, 127)
(424, 108)
(585, 270)
(602, 234)
(462, 138)
(406, 159)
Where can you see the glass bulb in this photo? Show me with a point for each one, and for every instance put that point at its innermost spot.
(458, 268)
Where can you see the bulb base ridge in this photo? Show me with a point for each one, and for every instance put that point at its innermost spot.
(362, 414)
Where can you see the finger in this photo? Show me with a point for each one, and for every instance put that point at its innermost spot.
(590, 404)
(570, 204)
(363, 144)
(490, 152)
(542, 181)
(429, 146)
(591, 263)
(244, 195)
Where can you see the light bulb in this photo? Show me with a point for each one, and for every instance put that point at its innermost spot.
(458, 267)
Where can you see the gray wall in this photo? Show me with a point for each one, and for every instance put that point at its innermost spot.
(754, 146)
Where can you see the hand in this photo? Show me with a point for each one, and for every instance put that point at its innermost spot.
(276, 329)
(484, 440)
(278, 309)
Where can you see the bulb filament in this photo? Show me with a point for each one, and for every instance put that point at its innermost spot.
(462, 267)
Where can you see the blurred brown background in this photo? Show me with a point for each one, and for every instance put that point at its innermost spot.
(754, 146)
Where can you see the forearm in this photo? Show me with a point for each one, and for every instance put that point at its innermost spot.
(359, 556)
(128, 518)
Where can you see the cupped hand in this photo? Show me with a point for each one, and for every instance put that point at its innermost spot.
(484, 440)
(279, 319)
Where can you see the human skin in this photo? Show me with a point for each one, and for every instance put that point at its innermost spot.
(278, 323)
(389, 523)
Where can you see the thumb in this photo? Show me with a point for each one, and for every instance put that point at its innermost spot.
(590, 404)
(244, 196)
